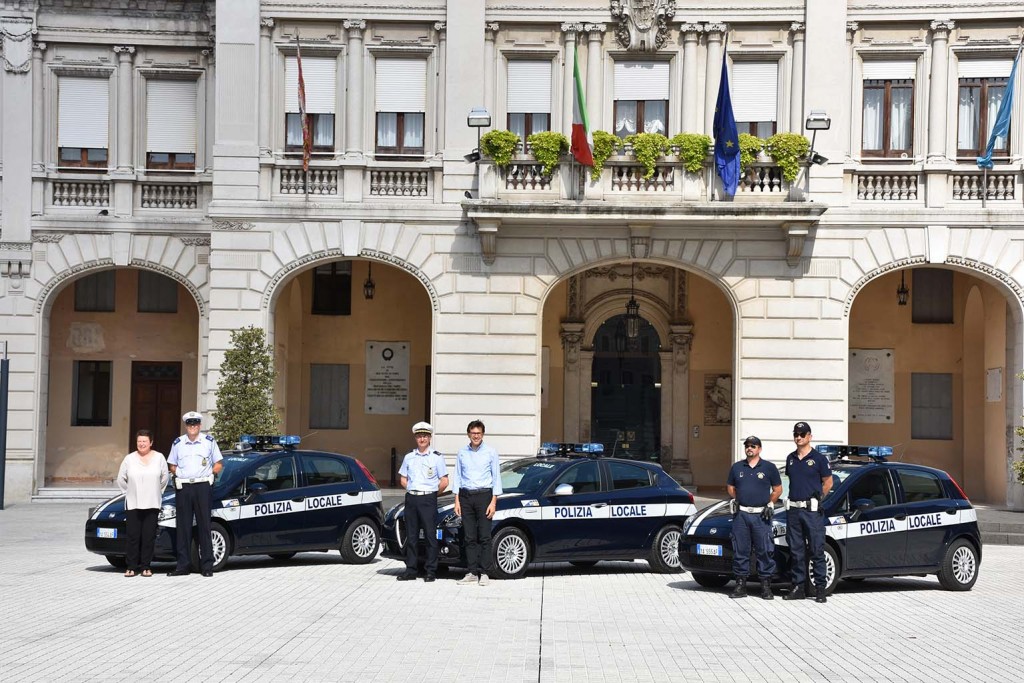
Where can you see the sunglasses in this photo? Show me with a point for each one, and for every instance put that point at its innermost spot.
(801, 434)
(193, 422)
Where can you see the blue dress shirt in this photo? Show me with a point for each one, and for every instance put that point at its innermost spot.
(477, 469)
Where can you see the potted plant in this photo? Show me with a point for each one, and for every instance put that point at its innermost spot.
(750, 147)
(648, 148)
(787, 150)
(605, 144)
(499, 145)
(548, 147)
(693, 150)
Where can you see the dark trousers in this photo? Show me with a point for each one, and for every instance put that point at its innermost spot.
(141, 536)
(476, 528)
(805, 529)
(748, 529)
(193, 500)
(420, 513)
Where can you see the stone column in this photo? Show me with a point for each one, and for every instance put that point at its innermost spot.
(681, 339)
(16, 139)
(442, 57)
(715, 32)
(210, 109)
(38, 126)
(796, 100)
(691, 116)
(586, 375)
(938, 90)
(595, 76)
(125, 109)
(570, 31)
(490, 72)
(572, 340)
(354, 100)
(266, 69)
(849, 139)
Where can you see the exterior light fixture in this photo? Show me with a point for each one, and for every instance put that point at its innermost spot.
(817, 120)
(632, 310)
(369, 287)
(902, 294)
(478, 118)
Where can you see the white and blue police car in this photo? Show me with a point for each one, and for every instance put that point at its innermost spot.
(568, 504)
(271, 498)
(882, 519)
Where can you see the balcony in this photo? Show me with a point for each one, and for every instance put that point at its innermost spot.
(139, 195)
(348, 180)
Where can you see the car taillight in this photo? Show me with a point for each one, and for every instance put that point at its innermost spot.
(960, 490)
(366, 472)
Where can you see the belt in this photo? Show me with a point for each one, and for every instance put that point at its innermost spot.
(422, 493)
(756, 511)
(475, 490)
(799, 503)
(195, 480)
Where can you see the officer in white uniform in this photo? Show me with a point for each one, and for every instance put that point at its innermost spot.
(423, 475)
(194, 460)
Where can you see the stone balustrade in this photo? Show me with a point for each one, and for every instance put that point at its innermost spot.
(81, 193)
(322, 181)
(169, 196)
(893, 186)
(969, 186)
(398, 182)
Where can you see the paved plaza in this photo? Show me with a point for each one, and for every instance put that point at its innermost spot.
(67, 615)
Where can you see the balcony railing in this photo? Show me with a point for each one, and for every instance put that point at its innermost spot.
(892, 186)
(81, 193)
(969, 186)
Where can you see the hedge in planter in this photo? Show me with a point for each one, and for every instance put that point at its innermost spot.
(499, 145)
(605, 144)
(693, 150)
(648, 148)
(750, 147)
(787, 150)
(548, 147)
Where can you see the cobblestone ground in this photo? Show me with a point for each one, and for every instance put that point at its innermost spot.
(67, 615)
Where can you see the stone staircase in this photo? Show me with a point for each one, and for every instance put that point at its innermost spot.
(1001, 533)
(66, 494)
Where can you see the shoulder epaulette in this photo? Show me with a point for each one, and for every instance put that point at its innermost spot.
(209, 438)
(176, 440)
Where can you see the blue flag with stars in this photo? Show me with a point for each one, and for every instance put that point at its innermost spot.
(727, 140)
(1001, 127)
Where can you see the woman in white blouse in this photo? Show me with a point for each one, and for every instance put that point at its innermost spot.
(142, 478)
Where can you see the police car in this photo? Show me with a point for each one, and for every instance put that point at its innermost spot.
(270, 499)
(568, 504)
(882, 519)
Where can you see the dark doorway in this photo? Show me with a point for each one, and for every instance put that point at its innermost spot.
(626, 391)
(156, 403)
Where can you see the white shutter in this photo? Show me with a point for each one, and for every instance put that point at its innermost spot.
(320, 77)
(529, 87)
(401, 85)
(884, 71)
(171, 116)
(83, 112)
(641, 80)
(755, 91)
(985, 68)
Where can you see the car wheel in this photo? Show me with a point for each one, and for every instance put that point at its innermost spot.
(221, 542)
(665, 549)
(959, 567)
(118, 561)
(281, 557)
(831, 572)
(361, 542)
(710, 580)
(510, 553)
(583, 564)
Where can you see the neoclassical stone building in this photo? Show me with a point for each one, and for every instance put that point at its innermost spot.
(153, 201)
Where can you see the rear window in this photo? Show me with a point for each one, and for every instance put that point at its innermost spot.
(626, 476)
(322, 470)
(920, 486)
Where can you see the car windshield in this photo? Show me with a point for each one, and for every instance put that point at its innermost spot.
(523, 476)
(232, 464)
(837, 478)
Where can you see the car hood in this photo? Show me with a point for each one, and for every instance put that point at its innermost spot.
(715, 520)
(446, 506)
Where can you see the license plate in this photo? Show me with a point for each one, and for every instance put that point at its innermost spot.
(106, 533)
(439, 532)
(703, 549)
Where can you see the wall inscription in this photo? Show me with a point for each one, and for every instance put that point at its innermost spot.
(871, 385)
(387, 377)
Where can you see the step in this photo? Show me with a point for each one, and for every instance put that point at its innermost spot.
(999, 538)
(1001, 527)
(66, 494)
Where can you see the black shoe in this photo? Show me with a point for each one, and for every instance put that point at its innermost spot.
(429, 578)
(207, 572)
(179, 572)
(766, 590)
(740, 591)
(820, 595)
(408, 576)
(795, 594)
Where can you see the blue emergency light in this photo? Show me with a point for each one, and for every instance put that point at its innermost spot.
(550, 448)
(844, 452)
(266, 440)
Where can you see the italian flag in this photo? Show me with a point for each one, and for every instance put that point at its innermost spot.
(581, 143)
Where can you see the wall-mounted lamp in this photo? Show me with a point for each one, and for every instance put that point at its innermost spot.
(478, 118)
(369, 287)
(902, 294)
(632, 310)
(817, 120)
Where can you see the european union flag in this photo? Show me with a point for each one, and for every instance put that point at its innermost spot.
(727, 140)
(1002, 125)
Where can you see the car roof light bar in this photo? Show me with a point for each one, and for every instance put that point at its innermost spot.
(269, 440)
(843, 452)
(553, 448)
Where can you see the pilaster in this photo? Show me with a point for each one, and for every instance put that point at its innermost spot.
(595, 108)
(715, 35)
(570, 30)
(796, 103)
(691, 113)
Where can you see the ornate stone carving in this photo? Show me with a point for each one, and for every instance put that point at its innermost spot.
(715, 27)
(691, 31)
(195, 240)
(226, 224)
(942, 27)
(681, 338)
(572, 27)
(572, 338)
(852, 27)
(575, 302)
(440, 26)
(267, 23)
(124, 49)
(17, 41)
(350, 24)
(40, 46)
(797, 27)
(640, 245)
(595, 28)
(641, 272)
(48, 237)
(642, 24)
(491, 27)
(679, 305)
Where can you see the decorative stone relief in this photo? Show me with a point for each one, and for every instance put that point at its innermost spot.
(575, 304)
(17, 34)
(679, 305)
(48, 237)
(15, 261)
(642, 24)
(641, 272)
(195, 240)
(942, 27)
(572, 339)
(226, 224)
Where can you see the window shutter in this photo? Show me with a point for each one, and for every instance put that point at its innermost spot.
(529, 87)
(641, 80)
(328, 394)
(755, 91)
(985, 68)
(83, 112)
(171, 116)
(884, 71)
(320, 77)
(401, 85)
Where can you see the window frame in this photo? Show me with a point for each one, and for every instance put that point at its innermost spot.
(400, 149)
(311, 119)
(984, 132)
(83, 163)
(641, 106)
(104, 278)
(321, 298)
(528, 126)
(156, 278)
(902, 472)
(97, 393)
(172, 163)
(886, 85)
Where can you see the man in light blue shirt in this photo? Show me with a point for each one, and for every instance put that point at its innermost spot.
(194, 461)
(424, 475)
(477, 485)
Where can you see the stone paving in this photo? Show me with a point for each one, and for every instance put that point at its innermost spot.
(67, 615)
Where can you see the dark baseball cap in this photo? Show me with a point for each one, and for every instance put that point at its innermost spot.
(752, 441)
(801, 427)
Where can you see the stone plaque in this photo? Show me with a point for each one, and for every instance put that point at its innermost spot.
(387, 377)
(871, 385)
(717, 400)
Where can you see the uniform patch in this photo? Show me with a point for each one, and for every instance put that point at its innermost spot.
(760, 475)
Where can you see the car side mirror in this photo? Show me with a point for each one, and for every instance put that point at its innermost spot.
(563, 490)
(860, 506)
(256, 489)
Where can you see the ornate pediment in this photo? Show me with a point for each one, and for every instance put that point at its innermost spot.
(642, 24)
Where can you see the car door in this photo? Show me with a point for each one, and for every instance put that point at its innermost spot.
(333, 497)
(572, 526)
(635, 508)
(877, 538)
(274, 519)
(929, 516)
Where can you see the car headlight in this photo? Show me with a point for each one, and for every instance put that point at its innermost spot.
(393, 513)
(452, 521)
(778, 529)
(167, 512)
(687, 525)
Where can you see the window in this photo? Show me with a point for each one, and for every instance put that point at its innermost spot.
(320, 79)
(755, 97)
(171, 124)
(584, 478)
(641, 97)
(873, 486)
(95, 292)
(328, 396)
(982, 86)
(83, 106)
(931, 406)
(626, 476)
(91, 393)
(931, 296)
(529, 97)
(321, 470)
(157, 293)
(888, 124)
(276, 475)
(332, 289)
(919, 486)
(401, 100)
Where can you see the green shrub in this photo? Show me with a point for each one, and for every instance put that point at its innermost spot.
(605, 144)
(787, 150)
(750, 147)
(244, 391)
(693, 150)
(548, 147)
(648, 148)
(499, 145)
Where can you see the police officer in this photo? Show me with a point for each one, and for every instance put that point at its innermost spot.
(754, 485)
(423, 475)
(810, 480)
(194, 460)
(477, 485)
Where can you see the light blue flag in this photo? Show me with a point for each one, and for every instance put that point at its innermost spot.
(1002, 125)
